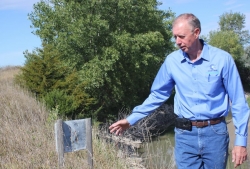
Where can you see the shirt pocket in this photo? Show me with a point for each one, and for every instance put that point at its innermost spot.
(210, 85)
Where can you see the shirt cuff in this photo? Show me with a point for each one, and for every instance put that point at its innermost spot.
(134, 118)
(240, 140)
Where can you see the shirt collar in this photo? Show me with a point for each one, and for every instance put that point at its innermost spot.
(204, 54)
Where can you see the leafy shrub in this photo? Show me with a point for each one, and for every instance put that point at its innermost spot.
(58, 99)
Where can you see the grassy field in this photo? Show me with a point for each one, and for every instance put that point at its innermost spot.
(27, 134)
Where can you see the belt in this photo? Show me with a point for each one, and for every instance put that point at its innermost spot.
(204, 123)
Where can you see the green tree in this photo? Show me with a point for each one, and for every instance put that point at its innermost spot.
(246, 56)
(235, 22)
(43, 69)
(115, 46)
(55, 83)
(60, 101)
(81, 30)
(73, 96)
(228, 41)
(244, 68)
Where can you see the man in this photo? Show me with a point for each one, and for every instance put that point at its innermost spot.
(205, 80)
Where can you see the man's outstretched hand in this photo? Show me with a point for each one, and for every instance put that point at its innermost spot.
(119, 126)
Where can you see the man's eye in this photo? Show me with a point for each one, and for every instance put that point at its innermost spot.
(181, 37)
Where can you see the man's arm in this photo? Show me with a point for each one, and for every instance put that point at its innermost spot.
(240, 111)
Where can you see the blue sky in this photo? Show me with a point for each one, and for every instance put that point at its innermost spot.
(16, 35)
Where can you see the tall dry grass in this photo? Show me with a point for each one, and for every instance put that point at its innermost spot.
(27, 133)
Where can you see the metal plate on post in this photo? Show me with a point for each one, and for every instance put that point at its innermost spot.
(74, 137)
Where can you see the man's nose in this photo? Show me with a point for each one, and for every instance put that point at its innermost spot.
(178, 41)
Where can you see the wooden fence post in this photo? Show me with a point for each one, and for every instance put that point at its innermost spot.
(60, 144)
(89, 142)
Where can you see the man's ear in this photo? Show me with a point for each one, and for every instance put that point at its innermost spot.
(197, 32)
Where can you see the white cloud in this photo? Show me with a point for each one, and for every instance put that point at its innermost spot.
(230, 2)
(17, 4)
(235, 7)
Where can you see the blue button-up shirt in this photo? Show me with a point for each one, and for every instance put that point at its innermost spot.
(204, 89)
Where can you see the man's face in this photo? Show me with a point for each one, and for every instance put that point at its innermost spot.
(184, 36)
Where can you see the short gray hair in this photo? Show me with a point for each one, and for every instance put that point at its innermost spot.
(191, 18)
